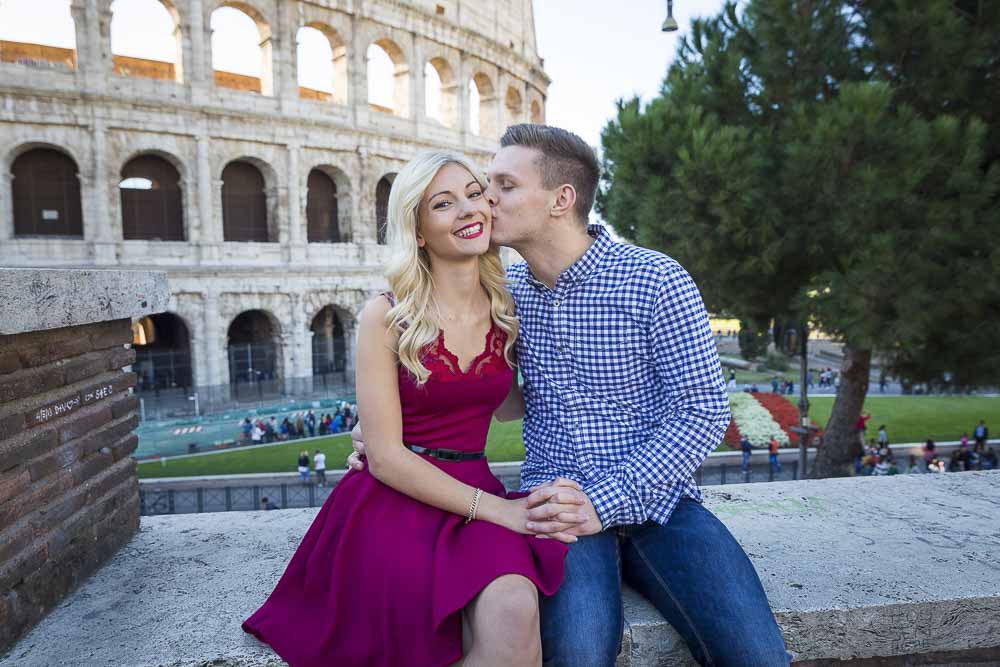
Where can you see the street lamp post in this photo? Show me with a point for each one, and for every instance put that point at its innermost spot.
(669, 24)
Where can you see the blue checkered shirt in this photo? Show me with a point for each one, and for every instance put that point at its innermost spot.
(622, 381)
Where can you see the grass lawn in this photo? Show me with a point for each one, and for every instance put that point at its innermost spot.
(916, 418)
(504, 444)
(907, 418)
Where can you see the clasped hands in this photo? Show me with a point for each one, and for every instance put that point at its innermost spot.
(557, 510)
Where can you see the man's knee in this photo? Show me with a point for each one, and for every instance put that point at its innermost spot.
(597, 648)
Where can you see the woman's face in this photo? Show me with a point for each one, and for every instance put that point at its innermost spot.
(454, 216)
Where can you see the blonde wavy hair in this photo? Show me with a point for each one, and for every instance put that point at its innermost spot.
(409, 272)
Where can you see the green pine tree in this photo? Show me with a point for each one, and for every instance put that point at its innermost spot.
(836, 162)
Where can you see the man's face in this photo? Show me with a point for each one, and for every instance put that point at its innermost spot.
(520, 204)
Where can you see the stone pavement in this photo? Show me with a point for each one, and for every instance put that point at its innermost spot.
(855, 568)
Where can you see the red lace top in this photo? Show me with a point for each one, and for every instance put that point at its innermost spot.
(453, 409)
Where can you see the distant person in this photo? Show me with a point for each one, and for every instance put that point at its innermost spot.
(266, 504)
(246, 427)
(914, 467)
(862, 426)
(304, 466)
(256, 434)
(883, 437)
(271, 430)
(300, 426)
(311, 423)
(773, 455)
(732, 379)
(747, 448)
(930, 451)
(319, 465)
(981, 433)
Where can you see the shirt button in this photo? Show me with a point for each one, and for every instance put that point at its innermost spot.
(559, 347)
(555, 304)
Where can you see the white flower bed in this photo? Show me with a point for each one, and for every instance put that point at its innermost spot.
(754, 421)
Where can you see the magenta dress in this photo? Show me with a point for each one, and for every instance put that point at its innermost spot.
(380, 578)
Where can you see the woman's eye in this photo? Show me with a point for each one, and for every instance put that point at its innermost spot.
(441, 205)
(475, 194)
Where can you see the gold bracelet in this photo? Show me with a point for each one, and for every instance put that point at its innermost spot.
(474, 506)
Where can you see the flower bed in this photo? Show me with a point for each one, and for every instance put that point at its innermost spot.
(786, 414)
(754, 421)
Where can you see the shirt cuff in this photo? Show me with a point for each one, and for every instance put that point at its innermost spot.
(614, 502)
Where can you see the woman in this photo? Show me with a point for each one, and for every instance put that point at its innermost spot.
(304, 466)
(424, 540)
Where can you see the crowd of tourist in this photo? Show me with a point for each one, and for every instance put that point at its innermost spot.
(302, 425)
(878, 457)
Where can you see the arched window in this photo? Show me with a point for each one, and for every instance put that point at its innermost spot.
(388, 78)
(536, 112)
(482, 106)
(151, 200)
(162, 346)
(244, 203)
(322, 221)
(251, 343)
(440, 91)
(145, 40)
(382, 191)
(329, 347)
(241, 49)
(46, 193)
(321, 56)
(514, 106)
(38, 35)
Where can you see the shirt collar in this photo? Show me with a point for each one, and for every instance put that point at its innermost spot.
(586, 264)
(591, 259)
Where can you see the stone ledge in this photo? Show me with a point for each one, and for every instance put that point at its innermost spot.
(861, 569)
(38, 299)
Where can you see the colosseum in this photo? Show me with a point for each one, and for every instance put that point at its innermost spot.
(263, 199)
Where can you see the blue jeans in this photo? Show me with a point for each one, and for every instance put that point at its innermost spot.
(775, 463)
(692, 570)
(745, 466)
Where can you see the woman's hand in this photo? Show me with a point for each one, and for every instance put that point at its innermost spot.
(514, 514)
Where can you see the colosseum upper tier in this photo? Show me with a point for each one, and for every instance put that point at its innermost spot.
(264, 200)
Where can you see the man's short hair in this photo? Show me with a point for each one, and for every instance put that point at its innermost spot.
(566, 158)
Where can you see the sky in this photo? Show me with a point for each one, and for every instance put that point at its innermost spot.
(594, 56)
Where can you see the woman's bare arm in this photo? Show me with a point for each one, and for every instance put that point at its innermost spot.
(513, 405)
(390, 462)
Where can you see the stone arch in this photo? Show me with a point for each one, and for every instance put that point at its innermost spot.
(514, 106)
(338, 71)
(45, 192)
(142, 65)
(482, 105)
(330, 328)
(254, 198)
(447, 112)
(156, 211)
(264, 84)
(35, 54)
(382, 189)
(537, 115)
(254, 350)
(343, 201)
(163, 345)
(400, 77)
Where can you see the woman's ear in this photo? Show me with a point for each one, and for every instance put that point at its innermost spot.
(420, 241)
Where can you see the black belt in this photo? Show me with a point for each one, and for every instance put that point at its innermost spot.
(446, 454)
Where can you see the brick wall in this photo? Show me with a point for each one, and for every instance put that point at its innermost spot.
(69, 495)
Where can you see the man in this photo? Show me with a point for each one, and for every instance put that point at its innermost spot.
(747, 448)
(981, 434)
(319, 465)
(624, 401)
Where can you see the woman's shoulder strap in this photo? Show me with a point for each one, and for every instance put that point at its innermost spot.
(390, 297)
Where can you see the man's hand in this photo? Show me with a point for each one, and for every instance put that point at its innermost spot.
(356, 461)
(561, 507)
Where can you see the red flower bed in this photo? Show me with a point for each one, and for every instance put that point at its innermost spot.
(732, 437)
(782, 411)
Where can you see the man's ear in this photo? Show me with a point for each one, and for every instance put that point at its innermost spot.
(564, 202)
